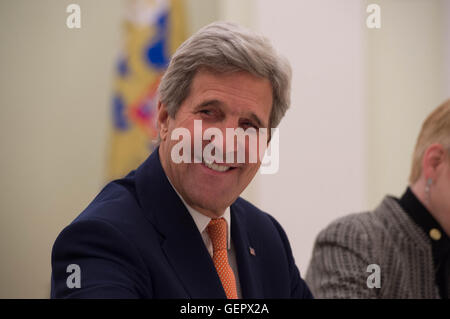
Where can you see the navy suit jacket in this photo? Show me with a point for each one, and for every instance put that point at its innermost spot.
(136, 239)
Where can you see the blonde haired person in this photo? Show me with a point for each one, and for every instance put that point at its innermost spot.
(402, 248)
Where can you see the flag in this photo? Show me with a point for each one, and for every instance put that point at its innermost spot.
(152, 31)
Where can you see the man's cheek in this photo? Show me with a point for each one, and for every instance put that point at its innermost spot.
(249, 171)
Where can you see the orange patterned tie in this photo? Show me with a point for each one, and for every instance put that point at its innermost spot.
(217, 231)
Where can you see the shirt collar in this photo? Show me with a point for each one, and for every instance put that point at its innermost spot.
(202, 221)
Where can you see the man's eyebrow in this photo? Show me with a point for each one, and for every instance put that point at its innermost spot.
(210, 103)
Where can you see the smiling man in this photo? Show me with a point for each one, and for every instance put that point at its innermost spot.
(178, 229)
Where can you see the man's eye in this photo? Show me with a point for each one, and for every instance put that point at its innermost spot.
(206, 112)
(249, 125)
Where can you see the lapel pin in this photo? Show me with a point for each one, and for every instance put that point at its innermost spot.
(252, 251)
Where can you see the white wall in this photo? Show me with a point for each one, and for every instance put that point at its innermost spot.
(359, 99)
(54, 105)
(200, 13)
(406, 72)
(322, 156)
(446, 42)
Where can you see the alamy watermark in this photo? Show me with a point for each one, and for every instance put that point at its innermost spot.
(373, 21)
(234, 153)
(374, 279)
(73, 21)
(74, 279)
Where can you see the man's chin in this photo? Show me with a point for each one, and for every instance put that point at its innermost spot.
(210, 206)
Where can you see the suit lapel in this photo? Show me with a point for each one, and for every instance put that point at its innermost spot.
(191, 261)
(248, 264)
(182, 243)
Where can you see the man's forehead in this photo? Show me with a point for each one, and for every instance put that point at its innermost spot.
(208, 75)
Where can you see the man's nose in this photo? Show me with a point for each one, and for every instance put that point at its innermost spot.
(232, 144)
(228, 146)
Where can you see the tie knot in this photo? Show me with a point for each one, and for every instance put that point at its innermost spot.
(217, 231)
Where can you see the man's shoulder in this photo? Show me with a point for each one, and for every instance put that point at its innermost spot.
(116, 201)
(115, 213)
(246, 207)
(250, 212)
(258, 222)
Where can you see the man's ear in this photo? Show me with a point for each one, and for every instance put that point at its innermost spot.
(433, 157)
(163, 121)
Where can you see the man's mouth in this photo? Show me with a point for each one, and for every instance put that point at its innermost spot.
(216, 167)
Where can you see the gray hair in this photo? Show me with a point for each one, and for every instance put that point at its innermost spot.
(226, 47)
